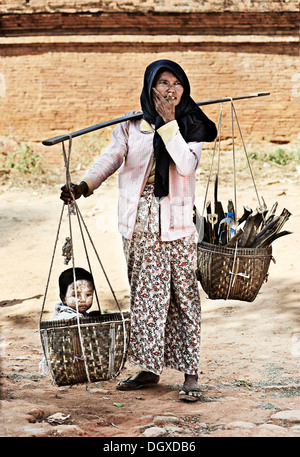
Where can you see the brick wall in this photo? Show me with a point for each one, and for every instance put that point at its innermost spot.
(62, 71)
(147, 5)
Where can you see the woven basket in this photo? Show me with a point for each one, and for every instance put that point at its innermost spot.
(229, 273)
(102, 338)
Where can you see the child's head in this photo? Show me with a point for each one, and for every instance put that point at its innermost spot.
(84, 289)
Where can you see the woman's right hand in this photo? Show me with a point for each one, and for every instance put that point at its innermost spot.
(77, 191)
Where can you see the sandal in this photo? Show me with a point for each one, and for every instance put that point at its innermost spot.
(190, 394)
(134, 384)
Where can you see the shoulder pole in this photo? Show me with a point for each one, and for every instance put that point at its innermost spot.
(65, 137)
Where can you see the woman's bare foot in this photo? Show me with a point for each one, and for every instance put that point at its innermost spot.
(190, 390)
(141, 379)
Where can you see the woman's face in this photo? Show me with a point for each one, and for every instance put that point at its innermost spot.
(84, 290)
(169, 86)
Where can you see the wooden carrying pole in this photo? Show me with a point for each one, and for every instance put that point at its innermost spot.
(65, 137)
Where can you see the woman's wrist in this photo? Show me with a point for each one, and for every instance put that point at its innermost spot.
(168, 119)
(84, 188)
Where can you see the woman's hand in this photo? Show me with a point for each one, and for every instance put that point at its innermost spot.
(164, 107)
(77, 191)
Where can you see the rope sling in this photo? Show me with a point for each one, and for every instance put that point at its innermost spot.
(230, 272)
(82, 349)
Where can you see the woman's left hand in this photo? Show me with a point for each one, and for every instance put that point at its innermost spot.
(164, 107)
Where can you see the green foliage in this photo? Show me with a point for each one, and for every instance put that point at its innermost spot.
(24, 159)
(283, 157)
(280, 156)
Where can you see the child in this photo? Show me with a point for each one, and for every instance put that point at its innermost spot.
(85, 287)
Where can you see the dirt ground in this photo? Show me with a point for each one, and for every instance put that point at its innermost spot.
(249, 369)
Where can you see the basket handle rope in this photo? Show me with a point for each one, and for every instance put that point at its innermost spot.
(212, 158)
(245, 151)
(218, 138)
(234, 115)
(73, 209)
(51, 263)
(80, 219)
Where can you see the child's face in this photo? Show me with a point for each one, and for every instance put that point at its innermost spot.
(84, 291)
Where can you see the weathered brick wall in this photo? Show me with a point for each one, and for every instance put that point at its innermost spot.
(147, 5)
(54, 88)
(60, 72)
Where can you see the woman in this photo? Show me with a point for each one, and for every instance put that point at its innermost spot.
(158, 155)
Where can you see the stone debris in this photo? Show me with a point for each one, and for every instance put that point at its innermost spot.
(163, 419)
(239, 424)
(155, 431)
(271, 430)
(287, 416)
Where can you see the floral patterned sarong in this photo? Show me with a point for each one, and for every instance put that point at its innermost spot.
(165, 301)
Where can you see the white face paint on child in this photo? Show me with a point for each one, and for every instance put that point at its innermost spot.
(84, 290)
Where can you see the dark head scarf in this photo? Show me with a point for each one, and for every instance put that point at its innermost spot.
(194, 125)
